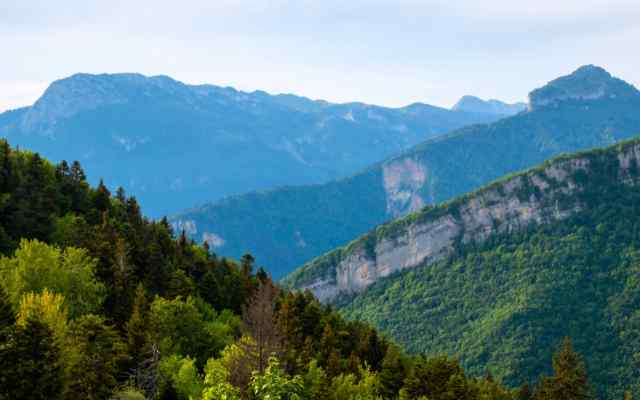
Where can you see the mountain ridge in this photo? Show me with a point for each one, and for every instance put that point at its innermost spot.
(510, 204)
(174, 145)
(310, 221)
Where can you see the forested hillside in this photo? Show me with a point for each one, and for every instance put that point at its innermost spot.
(499, 299)
(98, 302)
(287, 227)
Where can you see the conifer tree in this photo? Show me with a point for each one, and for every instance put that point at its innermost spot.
(569, 380)
(97, 351)
(393, 373)
(30, 367)
(102, 200)
(137, 337)
(7, 315)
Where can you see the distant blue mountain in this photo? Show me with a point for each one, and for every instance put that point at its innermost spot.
(174, 145)
(477, 105)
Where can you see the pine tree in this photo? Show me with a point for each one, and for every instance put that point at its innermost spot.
(375, 350)
(137, 338)
(569, 381)
(98, 351)
(393, 373)
(102, 200)
(77, 174)
(30, 367)
(7, 315)
(246, 262)
(6, 167)
(120, 195)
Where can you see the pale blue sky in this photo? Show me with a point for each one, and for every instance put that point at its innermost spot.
(383, 52)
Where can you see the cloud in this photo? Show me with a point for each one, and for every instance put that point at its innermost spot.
(387, 52)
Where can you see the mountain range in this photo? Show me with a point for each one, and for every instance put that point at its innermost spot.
(287, 227)
(478, 251)
(174, 145)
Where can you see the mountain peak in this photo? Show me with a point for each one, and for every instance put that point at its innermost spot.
(82, 91)
(477, 105)
(589, 82)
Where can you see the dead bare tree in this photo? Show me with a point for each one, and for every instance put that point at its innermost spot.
(259, 322)
(146, 376)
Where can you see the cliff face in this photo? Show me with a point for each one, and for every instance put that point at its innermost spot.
(539, 196)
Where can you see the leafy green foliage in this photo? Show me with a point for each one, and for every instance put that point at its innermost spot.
(363, 386)
(70, 272)
(183, 375)
(45, 307)
(504, 304)
(181, 328)
(274, 384)
(217, 386)
(97, 302)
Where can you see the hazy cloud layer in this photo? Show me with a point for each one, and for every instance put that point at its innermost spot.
(386, 52)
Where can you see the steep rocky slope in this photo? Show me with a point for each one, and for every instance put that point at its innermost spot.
(174, 145)
(541, 196)
(287, 227)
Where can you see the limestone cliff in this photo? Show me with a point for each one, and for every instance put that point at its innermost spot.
(539, 196)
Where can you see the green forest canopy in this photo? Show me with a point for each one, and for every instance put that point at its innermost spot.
(98, 302)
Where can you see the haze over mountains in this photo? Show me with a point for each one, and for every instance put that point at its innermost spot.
(174, 145)
(287, 227)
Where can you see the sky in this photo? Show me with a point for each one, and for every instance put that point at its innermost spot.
(389, 53)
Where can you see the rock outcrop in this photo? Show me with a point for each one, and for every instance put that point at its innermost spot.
(538, 196)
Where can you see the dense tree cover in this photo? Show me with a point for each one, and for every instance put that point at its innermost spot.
(98, 302)
(503, 304)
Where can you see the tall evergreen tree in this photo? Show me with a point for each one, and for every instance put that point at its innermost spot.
(393, 373)
(30, 367)
(7, 314)
(137, 335)
(97, 352)
(569, 380)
